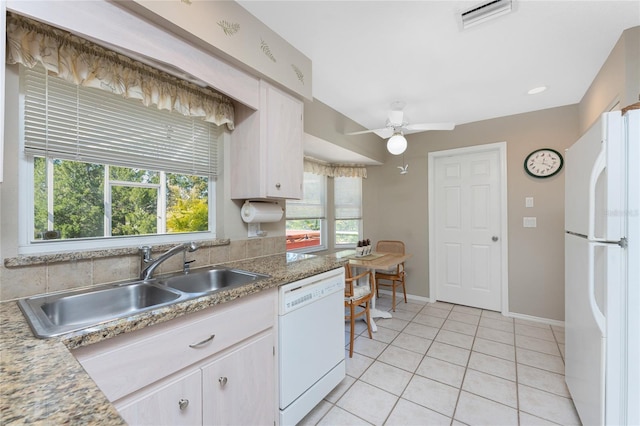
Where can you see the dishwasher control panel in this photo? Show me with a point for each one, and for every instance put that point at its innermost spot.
(300, 293)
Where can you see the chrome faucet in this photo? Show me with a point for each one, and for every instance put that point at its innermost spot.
(145, 252)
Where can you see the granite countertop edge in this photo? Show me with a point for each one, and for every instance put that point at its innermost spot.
(41, 381)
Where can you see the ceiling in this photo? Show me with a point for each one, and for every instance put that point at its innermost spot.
(368, 54)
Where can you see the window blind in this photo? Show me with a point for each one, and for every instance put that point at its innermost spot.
(348, 197)
(66, 121)
(312, 204)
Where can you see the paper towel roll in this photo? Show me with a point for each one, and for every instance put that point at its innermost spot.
(257, 212)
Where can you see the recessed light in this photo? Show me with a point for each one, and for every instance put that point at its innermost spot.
(535, 90)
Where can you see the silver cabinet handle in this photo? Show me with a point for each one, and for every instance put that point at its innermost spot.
(183, 403)
(494, 238)
(204, 342)
(278, 185)
(223, 381)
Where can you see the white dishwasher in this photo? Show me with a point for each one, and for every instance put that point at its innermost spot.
(311, 342)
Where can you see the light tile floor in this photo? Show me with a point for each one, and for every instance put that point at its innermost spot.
(443, 364)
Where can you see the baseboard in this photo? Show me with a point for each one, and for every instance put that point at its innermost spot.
(535, 319)
(515, 315)
(409, 296)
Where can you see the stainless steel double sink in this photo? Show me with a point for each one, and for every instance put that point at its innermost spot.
(55, 314)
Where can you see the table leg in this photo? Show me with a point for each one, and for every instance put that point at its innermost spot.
(376, 313)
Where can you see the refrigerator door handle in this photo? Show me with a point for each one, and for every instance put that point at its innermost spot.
(598, 316)
(598, 169)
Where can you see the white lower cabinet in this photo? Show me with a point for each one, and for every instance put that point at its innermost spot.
(234, 389)
(214, 367)
(237, 389)
(178, 402)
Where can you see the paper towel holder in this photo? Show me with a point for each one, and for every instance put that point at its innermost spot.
(254, 226)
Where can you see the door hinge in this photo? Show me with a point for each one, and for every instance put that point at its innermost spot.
(274, 350)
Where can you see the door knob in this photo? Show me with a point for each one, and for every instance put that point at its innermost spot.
(494, 238)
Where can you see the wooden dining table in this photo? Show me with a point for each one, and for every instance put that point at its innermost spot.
(375, 261)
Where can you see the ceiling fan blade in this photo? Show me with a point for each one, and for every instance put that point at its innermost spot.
(362, 132)
(429, 126)
(384, 133)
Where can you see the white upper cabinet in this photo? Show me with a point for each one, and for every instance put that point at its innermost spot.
(266, 148)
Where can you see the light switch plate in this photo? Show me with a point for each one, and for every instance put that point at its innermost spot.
(529, 222)
(528, 202)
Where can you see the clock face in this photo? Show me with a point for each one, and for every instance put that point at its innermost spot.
(543, 163)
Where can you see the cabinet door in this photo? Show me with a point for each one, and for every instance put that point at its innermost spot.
(239, 388)
(179, 402)
(284, 148)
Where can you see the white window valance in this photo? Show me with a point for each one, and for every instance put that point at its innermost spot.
(86, 64)
(311, 165)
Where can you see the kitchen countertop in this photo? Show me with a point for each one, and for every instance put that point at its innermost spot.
(42, 382)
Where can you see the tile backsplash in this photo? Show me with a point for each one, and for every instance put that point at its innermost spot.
(28, 276)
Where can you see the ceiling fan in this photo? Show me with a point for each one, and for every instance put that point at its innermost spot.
(396, 127)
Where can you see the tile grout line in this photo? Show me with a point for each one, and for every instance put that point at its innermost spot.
(466, 368)
(515, 360)
(414, 315)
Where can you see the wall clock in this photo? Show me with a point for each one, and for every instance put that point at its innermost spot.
(543, 163)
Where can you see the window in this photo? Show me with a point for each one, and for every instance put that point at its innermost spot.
(306, 217)
(104, 166)
(348, 210)
(90, 200)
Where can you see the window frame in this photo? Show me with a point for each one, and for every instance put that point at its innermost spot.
(335, 232)
(323, 225)
(26, 209)
(335, 219)
(26, 223)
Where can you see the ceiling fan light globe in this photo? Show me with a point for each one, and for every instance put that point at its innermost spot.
(397, 144)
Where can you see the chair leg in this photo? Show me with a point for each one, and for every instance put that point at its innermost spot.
(393, 296)
(368, 312)
(353, 325)
(404, 287)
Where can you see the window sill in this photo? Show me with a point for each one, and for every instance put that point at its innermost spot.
(12, 262)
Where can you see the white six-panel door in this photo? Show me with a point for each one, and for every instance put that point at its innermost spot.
(466, 260)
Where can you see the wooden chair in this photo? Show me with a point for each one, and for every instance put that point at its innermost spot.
(395, 277)
(357, 294)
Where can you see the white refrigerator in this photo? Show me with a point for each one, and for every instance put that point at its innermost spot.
(602, 257)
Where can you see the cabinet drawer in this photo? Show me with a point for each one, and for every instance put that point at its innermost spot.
(129, 362)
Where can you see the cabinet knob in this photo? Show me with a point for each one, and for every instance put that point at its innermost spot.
(183, 403)
(223, 381)
(494, 238)
(278, 185)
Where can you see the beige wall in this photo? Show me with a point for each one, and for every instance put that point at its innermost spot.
(326, 123)
(617, 84)
(396, 205)
(536, 256)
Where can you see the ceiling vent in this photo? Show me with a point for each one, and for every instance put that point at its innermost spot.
(485, 11)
